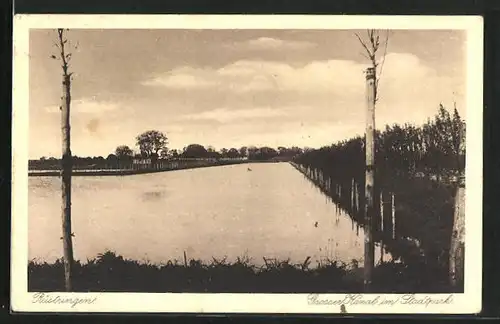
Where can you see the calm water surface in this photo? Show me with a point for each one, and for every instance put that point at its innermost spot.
(270, 212)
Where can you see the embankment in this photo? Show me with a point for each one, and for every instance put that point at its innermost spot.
(112, 273)
(124, 172)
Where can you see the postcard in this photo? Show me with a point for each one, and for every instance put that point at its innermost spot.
(247, 164)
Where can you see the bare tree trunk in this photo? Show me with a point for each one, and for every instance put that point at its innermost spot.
(369, 182)
(457, 251)
(66, 170)
(371, 47)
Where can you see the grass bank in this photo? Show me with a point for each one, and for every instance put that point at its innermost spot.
(109, 272)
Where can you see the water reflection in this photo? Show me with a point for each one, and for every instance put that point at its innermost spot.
(271, 212)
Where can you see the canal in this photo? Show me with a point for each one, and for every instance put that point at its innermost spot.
(256, 210)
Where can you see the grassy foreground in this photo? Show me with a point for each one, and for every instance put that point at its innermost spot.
(112, 273)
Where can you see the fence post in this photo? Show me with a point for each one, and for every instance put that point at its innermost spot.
(352, 194)
(356, 197)
(393, 215)
(381, 226)
(381, 211)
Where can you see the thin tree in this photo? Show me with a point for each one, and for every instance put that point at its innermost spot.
(371, 47)
(457, 247)
(66, 162)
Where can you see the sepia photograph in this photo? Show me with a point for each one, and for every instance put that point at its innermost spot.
(334, 164)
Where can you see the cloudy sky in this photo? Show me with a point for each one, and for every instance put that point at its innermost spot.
(229, 88)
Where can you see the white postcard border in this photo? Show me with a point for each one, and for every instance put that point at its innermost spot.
(468, 302)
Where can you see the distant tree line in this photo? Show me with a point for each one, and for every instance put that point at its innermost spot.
(435, 149)
(152, 146)
(250, 152)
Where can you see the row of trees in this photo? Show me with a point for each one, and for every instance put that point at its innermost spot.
(434, 149)
(153, 144)
(408, 159)
(250, 152)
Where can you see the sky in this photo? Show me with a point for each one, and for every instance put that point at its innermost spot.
(233, 88)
